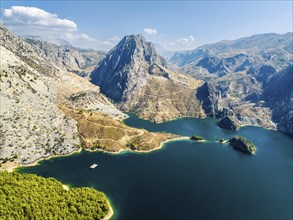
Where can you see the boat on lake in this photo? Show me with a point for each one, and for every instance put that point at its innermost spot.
(93, 166)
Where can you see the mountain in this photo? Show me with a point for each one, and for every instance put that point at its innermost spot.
(125, 68)
(238, 77)
(69, 58)
(228, 81)
(51, 40)
(260, 55)
(135, 77)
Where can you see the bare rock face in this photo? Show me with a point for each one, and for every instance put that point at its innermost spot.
(229, 122)
(135, 77)
(238, 96)
(32, 125)
(69, 58)
(26, 52)
(124, 71)
(278, 95)
(156, 70)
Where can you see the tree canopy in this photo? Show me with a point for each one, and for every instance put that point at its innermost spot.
(28, 196)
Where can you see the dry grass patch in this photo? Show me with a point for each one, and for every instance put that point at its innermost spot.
(99, 131)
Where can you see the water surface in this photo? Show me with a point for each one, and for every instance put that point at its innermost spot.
(188, 180)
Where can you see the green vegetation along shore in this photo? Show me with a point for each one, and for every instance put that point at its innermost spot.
(196, 138)
(28, 196)
(243, 144)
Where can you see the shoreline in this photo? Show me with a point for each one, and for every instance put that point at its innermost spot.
(273, 126)
(14, 165)
(110, 213)
(141, 151)
(12, 168)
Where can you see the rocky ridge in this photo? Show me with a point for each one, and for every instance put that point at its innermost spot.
(69, 58)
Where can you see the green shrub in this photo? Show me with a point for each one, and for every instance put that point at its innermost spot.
(196, 138)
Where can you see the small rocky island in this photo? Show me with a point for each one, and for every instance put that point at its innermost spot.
(242, 144)
(196, 138)
(222, 141)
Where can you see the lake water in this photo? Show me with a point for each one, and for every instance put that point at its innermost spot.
(188, 180)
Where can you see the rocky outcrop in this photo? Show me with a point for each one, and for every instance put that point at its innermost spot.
(237, 96)
(135, 77)
(278, 96)
(229, 122)
(211, 98)
(156, 70)
(242, 144)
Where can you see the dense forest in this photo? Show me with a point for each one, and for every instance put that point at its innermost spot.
(28, 196)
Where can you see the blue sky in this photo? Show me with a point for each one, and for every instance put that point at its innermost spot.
(176, 25)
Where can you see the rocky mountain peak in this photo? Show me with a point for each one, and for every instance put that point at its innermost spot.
(126, 67)
(137, 46)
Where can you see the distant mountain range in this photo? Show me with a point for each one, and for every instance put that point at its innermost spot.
(253, 43)
(51, 40)
(67, 57)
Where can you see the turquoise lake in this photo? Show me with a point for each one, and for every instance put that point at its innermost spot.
(185, 179)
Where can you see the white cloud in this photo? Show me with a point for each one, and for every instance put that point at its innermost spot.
(115, 39)
(78, 36)
(186, 41)
(85, 41)
(150, 31)
(35, 21)
(31, 16)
